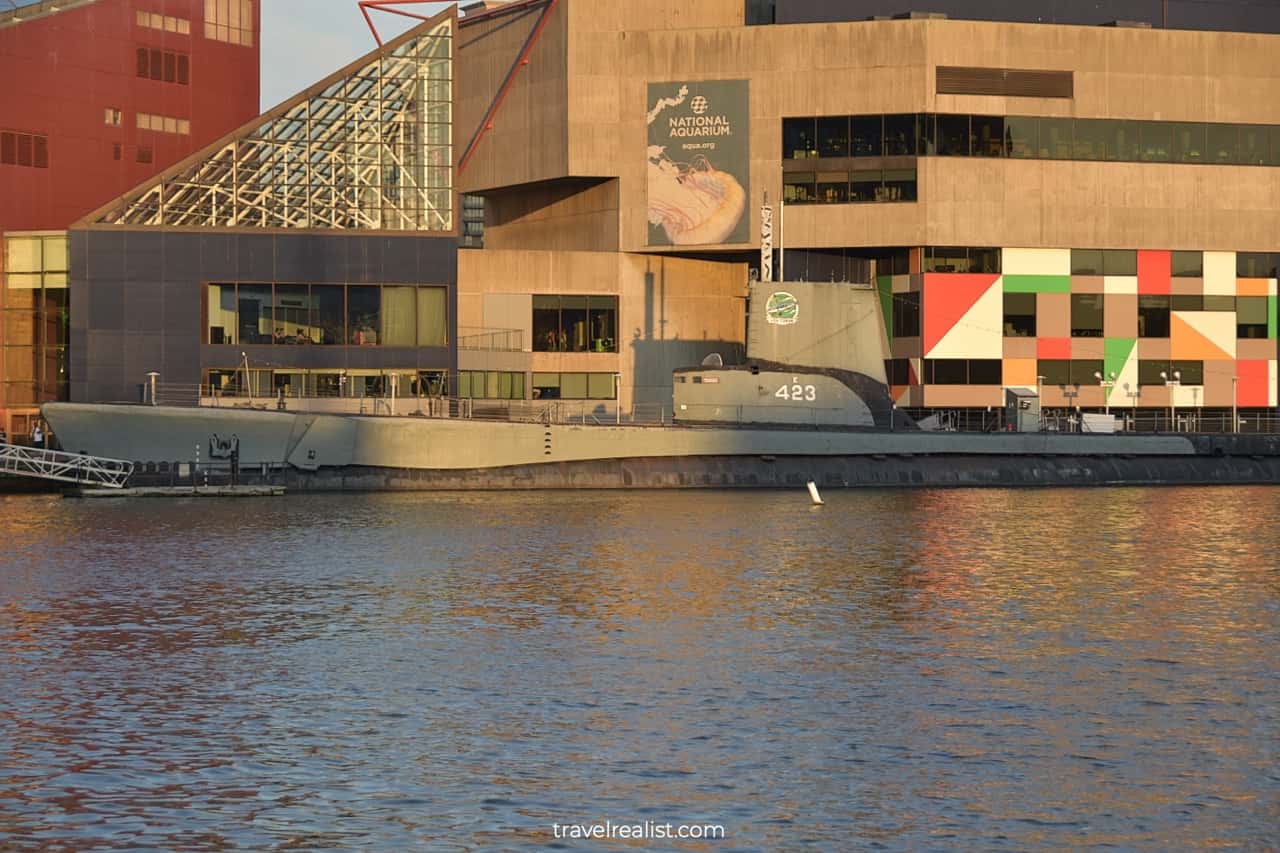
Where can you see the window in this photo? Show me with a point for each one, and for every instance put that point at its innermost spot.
(163, 65)
(946, 371)
(165, 23)
(899, 135)
(1224, 143)
(1186, 302)
(961, 260)
(833, 137)
(1085, 371)
(1251, 316)
(229, 20)
(574, 386)
(143, 154)
(1255, 265)
(906, 315)
(1219, 303)
(833, 187)
(1086, 315)
(1054, 371)
(575, 323)
(116, 151)
(898, 371)
(799, 188)
(364, 316)
(866, 136)
(1188, 143)
(986, 371)
(1153, 316)
(1191, 372)
(1019, 315)
(1055, 139)
(1188, 264)
(799, 138)
(1022, 137)
(1119, 262)
(327, 315)
(987, 134)
(1086, 262)
(953, 136)
(113, 117)
(491, 385)
(1157, 142)
(24, 149)
(163, 124)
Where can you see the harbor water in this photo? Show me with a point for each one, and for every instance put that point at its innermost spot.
(898, 670)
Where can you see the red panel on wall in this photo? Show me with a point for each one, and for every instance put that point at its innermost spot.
(1053, 348)
(947, 298)
(1155, 272)
(73, 77)
(1254, 388)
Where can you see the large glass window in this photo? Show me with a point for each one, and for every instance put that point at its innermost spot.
(1055, 138)
(221, 307)
(961, 259)
(953, 136)
(433, 317)
(906, 315)
(1086, 315)
(799, 188)
(1256, 265)
(865, 184)
(833, 137)
(328, 303)
(1153, 316)
(866, 136)
(255, 319)
(575, 323)
(1254, 147)
(1120, 262)
(988, 136)
(1019, 315)
(1188, 143)
(1022, 137)
(899, 135)
(1188, 264)
(574, 386)
(1224, 143)
(491, 385)
(799, 138)
(833, 187)
(1251, 316)
(1086, 262)
(399, 317)
(364, 315)
(899, 185)
(1157, 141)
(1054, 371)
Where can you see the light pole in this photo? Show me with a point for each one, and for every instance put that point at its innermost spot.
(1040, 403)
(1172, 385)
(1105, 383)
(1133, 396)
(1235, 405)
(1072, 392)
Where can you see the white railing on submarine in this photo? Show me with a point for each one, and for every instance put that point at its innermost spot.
(64, 467)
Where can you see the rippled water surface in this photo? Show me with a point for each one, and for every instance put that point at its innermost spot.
(904, 670)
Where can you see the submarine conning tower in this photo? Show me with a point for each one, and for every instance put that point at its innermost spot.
(815, 357)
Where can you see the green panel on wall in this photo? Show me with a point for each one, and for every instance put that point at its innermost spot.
(1037, 284)
(1273, 324)
(1116, 352)
(884, 284)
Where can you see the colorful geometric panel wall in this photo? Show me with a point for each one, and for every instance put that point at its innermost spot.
(962, 316)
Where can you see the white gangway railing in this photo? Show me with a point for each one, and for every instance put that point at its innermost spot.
(64, 467)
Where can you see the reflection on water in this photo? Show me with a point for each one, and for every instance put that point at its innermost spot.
(927, 669)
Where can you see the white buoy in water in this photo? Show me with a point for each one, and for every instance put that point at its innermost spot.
(813, 493)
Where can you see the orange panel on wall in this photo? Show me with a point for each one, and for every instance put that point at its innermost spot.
(1155, 272)
(1254, 383)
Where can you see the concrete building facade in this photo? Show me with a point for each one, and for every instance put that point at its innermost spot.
(1068, 207)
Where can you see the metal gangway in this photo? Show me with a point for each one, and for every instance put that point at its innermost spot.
(77, 468)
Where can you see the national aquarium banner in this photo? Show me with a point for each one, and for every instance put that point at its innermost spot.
(699, 168)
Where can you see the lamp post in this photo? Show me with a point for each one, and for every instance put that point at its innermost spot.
(1172, 385)
(1235, 405)
(1133, 395)
(1104, 383)
(1072, 392)
(1039, 404)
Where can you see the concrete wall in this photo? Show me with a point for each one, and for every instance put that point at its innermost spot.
(614, 50)
(137, 297)
(672, 311)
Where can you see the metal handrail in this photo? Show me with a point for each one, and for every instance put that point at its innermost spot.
(64, 467)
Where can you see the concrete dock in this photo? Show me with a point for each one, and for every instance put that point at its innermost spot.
(180, 492)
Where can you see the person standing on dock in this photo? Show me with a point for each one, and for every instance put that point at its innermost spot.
(37, 436)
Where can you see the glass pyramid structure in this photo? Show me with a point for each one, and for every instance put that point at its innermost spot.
(369, 148)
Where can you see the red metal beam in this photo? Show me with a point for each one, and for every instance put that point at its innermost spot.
(486, 124)
(386, 6)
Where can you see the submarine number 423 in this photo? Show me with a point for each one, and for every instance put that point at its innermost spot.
(797, 393)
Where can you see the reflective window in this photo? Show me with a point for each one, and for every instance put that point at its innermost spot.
(328, 313)
(1256, 265)
(864, 185)
(899, 185)
(1224, 143)
(1251, 316)
(491, 385)
(1086, 315)
(799, 188)
(1255, 149)
(1192, 372)
(229, 21)
(906, 315)
(1188, 264)
(953, 136)
(1054, 371)
(866, 136)
(1186, 302)
(1157, 141)
(1188, 143)
(1090, 141)
(1153, 316)
(799, 138)
(1019, 315)
(575, 323)
(364, 316)
(1022, 137)
(833, 137)
(926, 134)
(961, 259)
(574, 386)
(988, 136)
(1150, 372)
(1085, 371)
(1119, 262)
(833, 187)
(1086, 262)
(1055, 139)
(899, 135)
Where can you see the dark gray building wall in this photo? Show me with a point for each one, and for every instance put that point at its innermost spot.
(136, 301)
(1256, 16)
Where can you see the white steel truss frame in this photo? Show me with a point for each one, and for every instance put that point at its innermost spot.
(371, 150)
